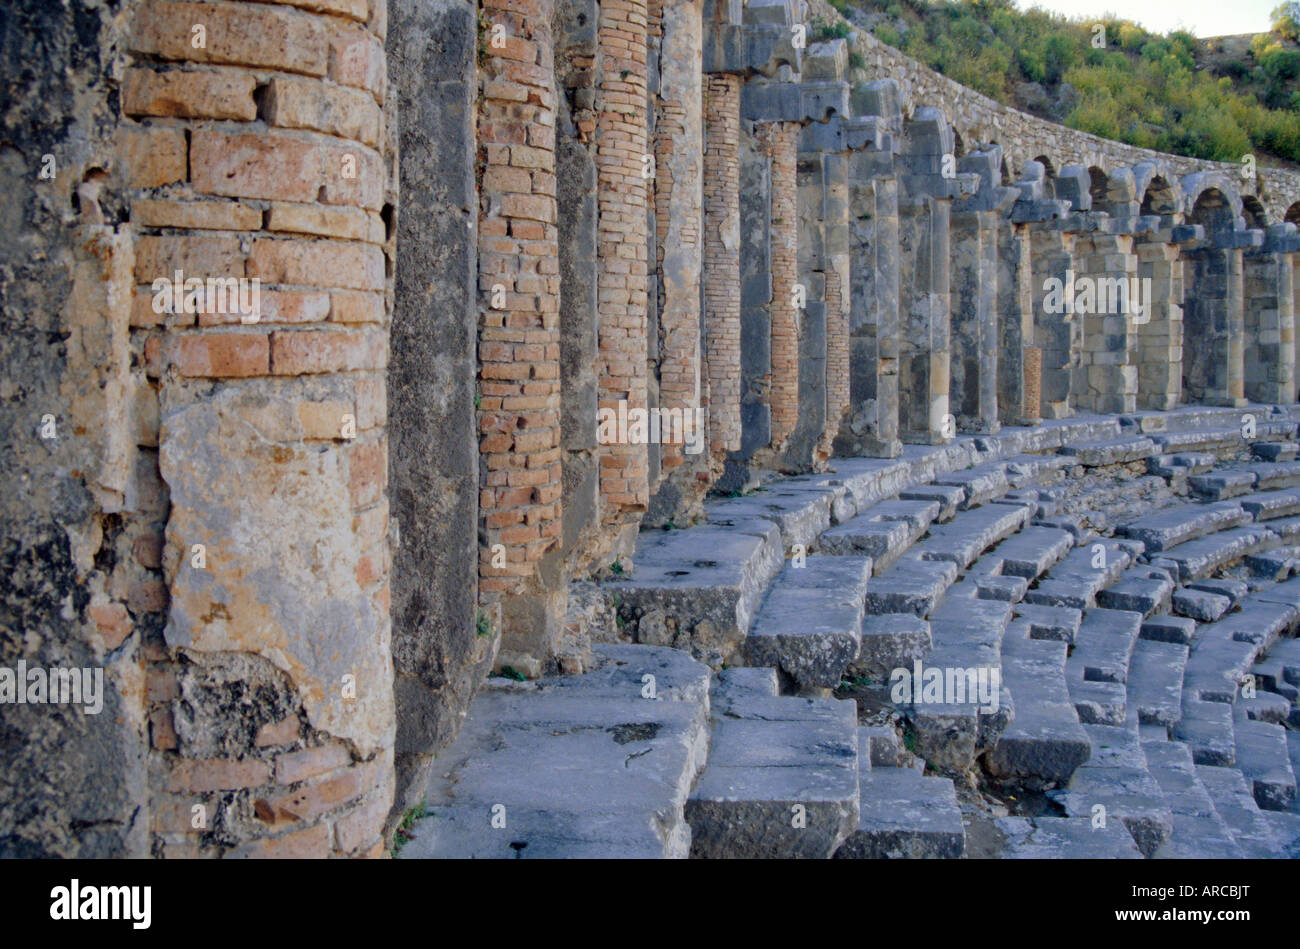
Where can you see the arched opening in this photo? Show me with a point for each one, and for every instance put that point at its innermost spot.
(1253, 211)
(1213, 318)
(1048, 167)
(958, 146)
(1293, 214)
(1212, 210)
(1160, 197)
(1097, 187)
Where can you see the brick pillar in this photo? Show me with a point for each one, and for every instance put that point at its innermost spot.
(1269, 353)
(1160, 338)
(1107, 378)
(271, 427)
(722, 258)
(780, 142)
(519, 339)
(621, 246)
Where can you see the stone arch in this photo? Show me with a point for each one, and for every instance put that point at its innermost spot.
(1160, 196)
(1293, 214)
(1253, 211)
(958, 145)
(1049, 166)
(1211, 200)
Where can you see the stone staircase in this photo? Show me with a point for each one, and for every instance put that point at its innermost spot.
(1116, 661)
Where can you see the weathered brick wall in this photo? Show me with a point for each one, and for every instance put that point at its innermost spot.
(722, 258)
(257, 149)
(622, 246)
(519, 336)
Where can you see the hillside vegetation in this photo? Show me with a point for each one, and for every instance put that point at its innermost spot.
(1106, 75)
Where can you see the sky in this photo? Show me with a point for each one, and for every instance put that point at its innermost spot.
(1199, 17)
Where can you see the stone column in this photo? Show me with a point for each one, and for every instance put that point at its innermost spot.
(1106, 268)
(679, 252)
(1015, 314)
(1160, 338)
(782, 142)
(439, 653)
(1213, 323)
(1055, 333)
(1269, 352)
(975, 340)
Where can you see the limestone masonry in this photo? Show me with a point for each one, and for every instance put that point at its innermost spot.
(311, 310)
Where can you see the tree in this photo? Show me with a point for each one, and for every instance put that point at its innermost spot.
(1286, 21)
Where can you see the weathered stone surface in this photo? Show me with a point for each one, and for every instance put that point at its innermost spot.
(262, 592)
(905, 816)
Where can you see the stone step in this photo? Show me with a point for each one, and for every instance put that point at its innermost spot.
(1199, 558)
(968, 535)
(1169, 629)
(1075, 581)
(1267, 505)
(1177, 525)
(1112, 452)
(981, 484)
(1286, 831)
(1064, 838)
(1207, 730)
(810, 624)
(1198, 830)
(1116, 777)
(1272, 567)
(1036, 471)
(883, 541)
(1206, 439)
(1181, 464)
(800, 509)
(1271, 476)
(577, 766)
(890, 641)
(949, 497)
(781, 779)
(1275, 451)
(1044, 744)
(700, 588)
(1264, 761)
(1264, 706)
(1271, 675)
(1155, 682)
(1234, 590)
(1140, 589)
(1031, 552)
(1201, 606)
(1104, 644)
(911, 585)
(1223, 483)
(904, 814)
(1234, 803)
(1059, 623)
